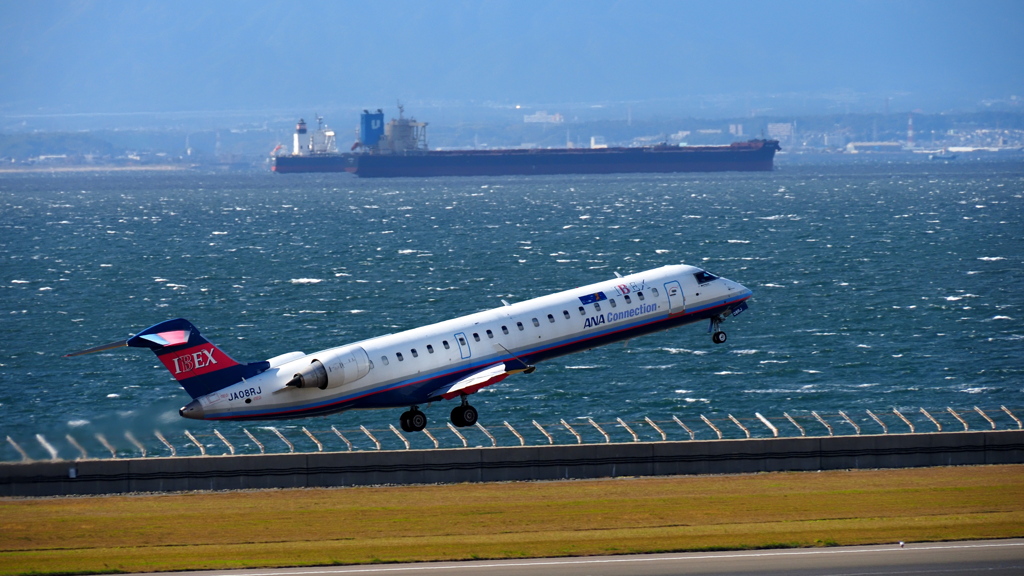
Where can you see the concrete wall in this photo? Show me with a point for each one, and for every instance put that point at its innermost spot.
(513, 463)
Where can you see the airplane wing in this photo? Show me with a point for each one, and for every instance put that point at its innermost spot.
(485, 377)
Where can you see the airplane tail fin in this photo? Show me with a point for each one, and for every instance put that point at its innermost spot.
(199, 366)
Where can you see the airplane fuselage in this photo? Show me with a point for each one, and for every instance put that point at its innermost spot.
(456, 357)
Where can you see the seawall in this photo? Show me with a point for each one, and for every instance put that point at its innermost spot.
(331, 469)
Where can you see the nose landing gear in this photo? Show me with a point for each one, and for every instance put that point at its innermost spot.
(717, 335)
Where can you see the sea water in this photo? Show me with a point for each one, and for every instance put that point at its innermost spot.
(877, 285)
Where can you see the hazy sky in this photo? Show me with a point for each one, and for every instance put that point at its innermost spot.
(61, 56)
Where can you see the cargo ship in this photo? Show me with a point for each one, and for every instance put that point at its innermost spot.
(399, 149)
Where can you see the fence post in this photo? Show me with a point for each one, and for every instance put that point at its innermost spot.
(457, 433)
(985, 416)
(904, 418)
(78, 446)
(630, 430)
(655, 426)
(131, 438)
(202, 449)
(342, 436)
(291, 447)
(255, 441)
(494, 443)
(225, 441)
(794, 423)
(825, 424)
(775, 431)
(685, 427)
(957, 416)
(885, 429)
(159, 437)
(852, 423)
(514, 431)
(708, 422)
(399, 434)
(544, 432)
(319, 446)
(1010, 414)
(49, 447)
(737, 423)
(934, 421)
(367, 432)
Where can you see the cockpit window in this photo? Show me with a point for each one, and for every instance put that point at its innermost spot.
(704, 277)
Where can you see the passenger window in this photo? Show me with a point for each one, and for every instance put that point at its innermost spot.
(536, 323)
(583, 311)
(612, 302)
(628, 301)
(566, 314)
(415, 354)
(476, 336)
(384, 360)
(445, 344)
(430, 348)
(640, 295)
(504, 329)
(462, 341)
(655, 292)
(520, 326)
(399, 356)
(490, 334)
(551, 318)
(597, 306)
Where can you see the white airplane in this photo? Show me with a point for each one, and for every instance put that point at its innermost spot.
(443, 361)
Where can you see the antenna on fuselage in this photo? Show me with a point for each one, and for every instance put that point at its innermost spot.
(617, 275)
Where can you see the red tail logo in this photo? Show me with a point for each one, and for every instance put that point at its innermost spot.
(196, 361)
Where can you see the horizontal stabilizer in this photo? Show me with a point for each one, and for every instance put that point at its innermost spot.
(111, 346)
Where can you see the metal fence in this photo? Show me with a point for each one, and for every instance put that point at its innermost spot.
(84, 445)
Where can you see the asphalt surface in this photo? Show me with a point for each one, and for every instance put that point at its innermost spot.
(988, 557)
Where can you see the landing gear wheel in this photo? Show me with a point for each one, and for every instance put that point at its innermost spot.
(464, 415)
(417, 421)
(718, 337)
(404, 422)
(457, 417)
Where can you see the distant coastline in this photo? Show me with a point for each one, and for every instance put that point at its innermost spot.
(147, 168)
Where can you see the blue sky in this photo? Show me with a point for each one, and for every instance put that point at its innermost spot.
(61, 56)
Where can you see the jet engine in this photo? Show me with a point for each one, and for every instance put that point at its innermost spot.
(332, 368)
(312, 376)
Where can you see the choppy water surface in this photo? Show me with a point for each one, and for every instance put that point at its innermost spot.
(876, 286)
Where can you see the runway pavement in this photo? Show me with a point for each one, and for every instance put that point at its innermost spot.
(989, 557)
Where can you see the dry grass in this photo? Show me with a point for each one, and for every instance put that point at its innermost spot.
(510, 520)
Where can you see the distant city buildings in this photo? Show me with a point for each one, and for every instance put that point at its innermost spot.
(542, 117)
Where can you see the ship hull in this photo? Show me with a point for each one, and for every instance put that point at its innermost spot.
(756, 155)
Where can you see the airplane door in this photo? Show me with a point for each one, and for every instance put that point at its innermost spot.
(676, 298)
(463, 342)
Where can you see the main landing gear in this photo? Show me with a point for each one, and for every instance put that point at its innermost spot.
(464, 414)
(413, 420)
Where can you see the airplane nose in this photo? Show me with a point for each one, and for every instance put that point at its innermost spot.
(192, 410)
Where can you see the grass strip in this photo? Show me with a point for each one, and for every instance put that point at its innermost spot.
(275, 528)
